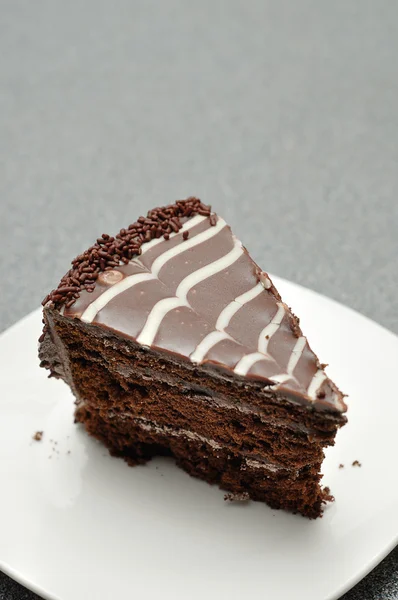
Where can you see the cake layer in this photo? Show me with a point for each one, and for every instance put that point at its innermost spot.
(164, 404)
(293, 491)
(270, 436)
(125, 359)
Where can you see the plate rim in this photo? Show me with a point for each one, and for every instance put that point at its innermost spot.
(26, 582)
(34, 587)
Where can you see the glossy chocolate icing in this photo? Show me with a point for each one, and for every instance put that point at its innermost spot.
(205, 300)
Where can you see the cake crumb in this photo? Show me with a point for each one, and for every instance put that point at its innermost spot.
(328, 497)
(356, 463)
(38, 436)
(238, 497)
(341, 466)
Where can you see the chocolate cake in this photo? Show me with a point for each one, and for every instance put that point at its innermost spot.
(174, 342)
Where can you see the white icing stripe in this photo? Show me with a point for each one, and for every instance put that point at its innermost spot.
(222, 323)
(270, 329)
(232, 308)
(156, 316)
(207, 271)
(186, 245)
(208, 342)
(162, 307)
(292, 364)
(93, 309)
(247, 361)
(296, 354)
(316, 383)
(281, 378)
(188, 225)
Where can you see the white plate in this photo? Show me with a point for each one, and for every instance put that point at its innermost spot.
(83, 525)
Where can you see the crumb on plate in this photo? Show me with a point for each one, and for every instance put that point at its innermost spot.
(241, 497)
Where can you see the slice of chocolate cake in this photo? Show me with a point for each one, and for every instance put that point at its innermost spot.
(175, 342)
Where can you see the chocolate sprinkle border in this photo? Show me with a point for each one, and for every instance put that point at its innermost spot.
(110, 252)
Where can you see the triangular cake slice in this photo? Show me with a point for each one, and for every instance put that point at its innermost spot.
(175, 342)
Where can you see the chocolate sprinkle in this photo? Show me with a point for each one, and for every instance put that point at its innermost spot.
(213, 219)
(109, 252)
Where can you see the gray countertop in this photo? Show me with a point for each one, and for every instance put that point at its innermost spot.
(283, 115)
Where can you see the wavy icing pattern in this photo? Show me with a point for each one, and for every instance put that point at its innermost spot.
(202, 298)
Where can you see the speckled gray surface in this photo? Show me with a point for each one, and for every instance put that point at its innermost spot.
(283, 115)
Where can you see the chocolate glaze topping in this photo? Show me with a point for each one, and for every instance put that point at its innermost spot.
(179, 281)
(109, 252)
